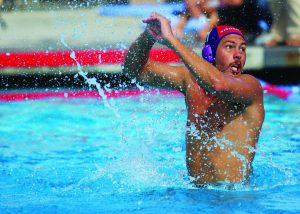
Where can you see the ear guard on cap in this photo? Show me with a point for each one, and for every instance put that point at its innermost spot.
(207, 54)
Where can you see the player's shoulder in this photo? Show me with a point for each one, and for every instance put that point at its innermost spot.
(251, 80)
(256, 87)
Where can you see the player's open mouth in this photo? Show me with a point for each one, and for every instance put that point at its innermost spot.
(235, 68)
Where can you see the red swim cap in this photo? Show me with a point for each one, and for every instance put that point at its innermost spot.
(213, 39)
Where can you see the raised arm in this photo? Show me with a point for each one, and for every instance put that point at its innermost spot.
(138, 66)
(137, 55)
(243, 88)
(239, 89)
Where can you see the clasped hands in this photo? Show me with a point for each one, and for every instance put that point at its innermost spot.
(159, 28)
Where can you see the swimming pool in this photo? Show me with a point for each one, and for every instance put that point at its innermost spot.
(126, 155)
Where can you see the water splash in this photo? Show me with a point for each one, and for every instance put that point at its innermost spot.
(91, 81)
(221, 143)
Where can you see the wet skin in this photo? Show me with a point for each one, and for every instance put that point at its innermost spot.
(224, 107)
(222, 134)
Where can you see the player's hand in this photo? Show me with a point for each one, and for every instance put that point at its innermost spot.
(159, 28)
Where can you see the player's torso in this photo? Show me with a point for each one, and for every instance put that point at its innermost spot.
(220, 137)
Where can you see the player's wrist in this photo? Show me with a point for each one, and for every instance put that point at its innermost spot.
(147, 35)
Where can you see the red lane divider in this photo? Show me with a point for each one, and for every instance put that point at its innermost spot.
(20, 96)
(274, 90)
(83, 57)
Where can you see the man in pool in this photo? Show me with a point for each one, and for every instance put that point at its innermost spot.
(224, 107)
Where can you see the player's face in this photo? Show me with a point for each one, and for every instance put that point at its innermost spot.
(231, 54)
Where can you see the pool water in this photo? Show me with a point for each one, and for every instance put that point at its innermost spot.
(127, 155)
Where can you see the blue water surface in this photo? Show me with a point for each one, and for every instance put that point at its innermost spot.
(127, 155)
